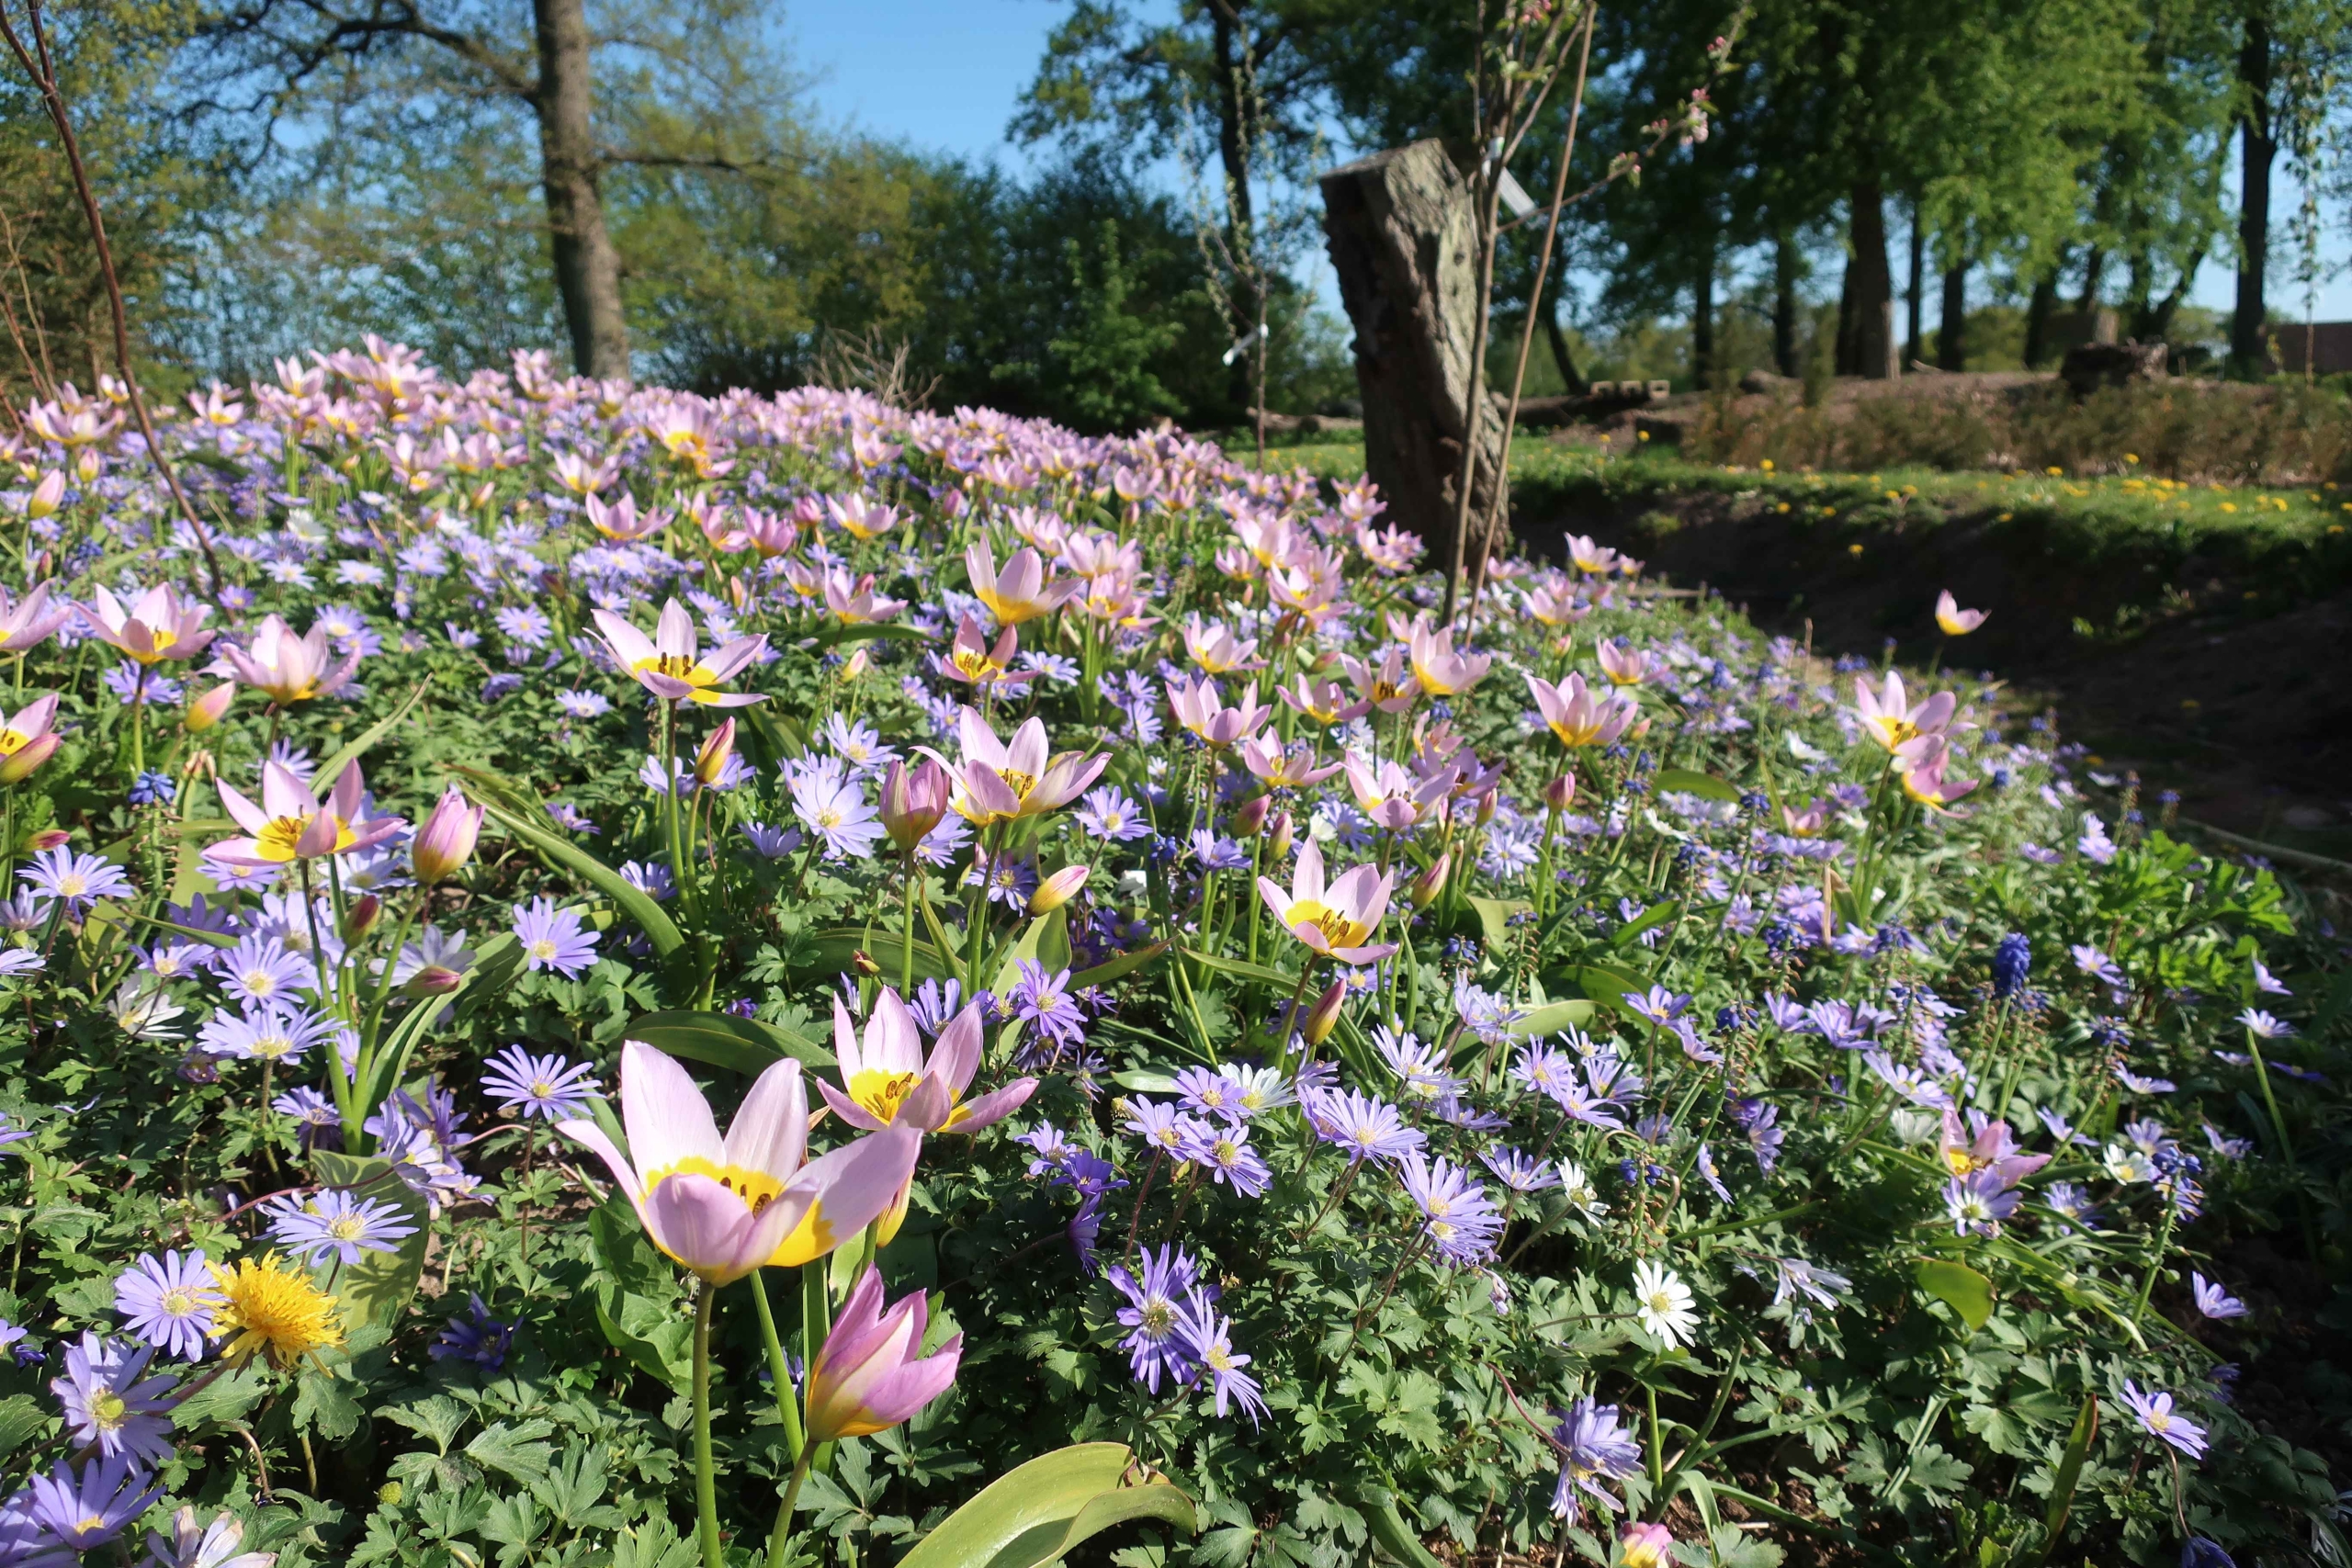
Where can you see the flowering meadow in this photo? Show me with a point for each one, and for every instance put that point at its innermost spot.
(596, 976)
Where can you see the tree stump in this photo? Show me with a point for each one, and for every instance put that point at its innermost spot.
(2091, 366)
(1403, 238)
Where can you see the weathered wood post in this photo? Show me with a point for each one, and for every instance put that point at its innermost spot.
(1403, 239)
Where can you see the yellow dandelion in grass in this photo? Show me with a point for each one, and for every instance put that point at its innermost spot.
(271, 1308)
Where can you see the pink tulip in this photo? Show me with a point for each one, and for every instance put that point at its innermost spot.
(1335, 920)
(723, 1207)
(1624, 666)
(446, 842)
(1955, 621)
(26, 740)
(1889, 718)
(670, 665)
(27, 622)
(292, 669)
(291, 823)
(999, 781)
(1390, 796)
(162, 626)
(1384, 686)
(1578, 717)
(912, 803)
(871, 1373)
(1058, 890)
(47, 495)
(1440, 670)
(1199, 708)
(1022, 592)
(1215, 648)
(209, 709)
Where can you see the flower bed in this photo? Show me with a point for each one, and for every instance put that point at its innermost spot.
(1296, 1079)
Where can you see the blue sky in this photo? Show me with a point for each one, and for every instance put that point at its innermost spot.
(943, 75)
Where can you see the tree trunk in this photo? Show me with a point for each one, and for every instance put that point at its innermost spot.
(1703, 318)
(1846, 356)
(2093, 271)
(1233, 157)
(1874, 288)
(587, 268)
(1916, 347)
(1784, 308)
(2249, 324)
(2039, 309)
(1951, 341)
(1571, 378)
(2159, 322)
(1403, 240)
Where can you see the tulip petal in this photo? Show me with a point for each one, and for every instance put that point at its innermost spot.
(666, 1116)
(770, 1131)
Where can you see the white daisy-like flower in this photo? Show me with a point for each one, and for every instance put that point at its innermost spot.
(1662, 1303)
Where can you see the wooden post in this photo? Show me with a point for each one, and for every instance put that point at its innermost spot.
(1403, 239)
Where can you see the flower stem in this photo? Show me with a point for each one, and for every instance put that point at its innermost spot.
(780, 1541)
(706, 1478)
(787, 1404)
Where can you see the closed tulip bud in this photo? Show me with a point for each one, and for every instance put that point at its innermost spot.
(18, 765)
(360, 918)
(47, 495)
(1423, 889)
(433, 980)
(89, 464)
(1486, 805)
(446, 842)
(1326, 1014)
(863, 963)
(912, 803)
(44, 838)
(1561, 793)
(1278, 835)
(855, 666)
(210, 708)
(710, 762)
(1250, 815)
(1057, 890)
(872, 1373)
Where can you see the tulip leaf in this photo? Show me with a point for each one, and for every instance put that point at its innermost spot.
(1494, 916)
(1683, 780)
(565, 855)
(1117, 968)
(835, 950)
(1045, 943)
(1607, 983)
(1037, 1513)
(745, 1046)
(1394, 1536)
(1238, 969)
(1631, 932)
(1552, 1018)
(331, 769)
(1958, 1287)
(376, 1289)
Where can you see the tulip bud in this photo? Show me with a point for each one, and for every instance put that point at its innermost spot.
(913, 803)
(45, 838)
(1326, 1014)
(361, 917)
(47, 495)
(809, 512)
(433, 980)
(1278, 836)
(1423, 890)
(1486, 805)
(1561, 793)
(863, 963)
(18, 765)
(871, 1374)
(856, 665)
(1250, 815)
(209, 709)
(1057, 890)
(89, 464)
(710, 762)
(446, 842)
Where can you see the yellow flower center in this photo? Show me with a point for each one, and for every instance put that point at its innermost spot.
(107, 1410)
(278, 837)
(973, 663)
(1021, 784)
(1336, 928)
(678, 667)
(756, 1188)
(179, 1301)
(12, 741)
(882, 1093)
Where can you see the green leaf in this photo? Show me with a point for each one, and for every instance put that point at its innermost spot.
(1494, 916)
(1394, 1536)
(1239, 967)
(1036, 1513)
(1704, 786)
(1607, 983)
(520, 814)
(832, 952)
(20, 1417)
(513, 1450)
(744, 1045)
(1045, 941)
(331, 769)
(378, 1289)
(2063, 1479)
(1628, 934)
(1117, 968)
(326, 1404)
(1552, 1018)
(1958, 1287)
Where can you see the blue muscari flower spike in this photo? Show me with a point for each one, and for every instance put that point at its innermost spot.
(2012, 961)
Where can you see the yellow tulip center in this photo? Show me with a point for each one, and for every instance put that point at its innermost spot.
(1019, 782)
(756, 1188)
(12, 741)
(678, 667)
(1336, 928)
(882, 1093)
(280, 835)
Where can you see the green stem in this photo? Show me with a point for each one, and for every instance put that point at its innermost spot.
(706, 1478)
(780, 1540)
(907, 941)
(788, 1402)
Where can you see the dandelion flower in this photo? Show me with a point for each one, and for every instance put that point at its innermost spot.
(271, 1308)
